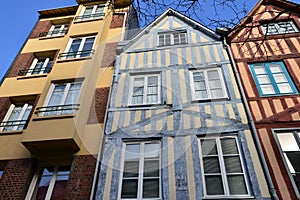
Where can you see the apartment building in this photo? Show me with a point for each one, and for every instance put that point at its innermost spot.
(266, 49)
(176, 125)
(53, 100)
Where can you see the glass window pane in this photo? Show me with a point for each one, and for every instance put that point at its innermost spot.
(209, 147)
(287, 142)
(200, 85)
(233, 164)
(263, 79)
(73, 94)
(267, 89)
(284, 88)
(74, 48)
(214, 185)
(153, 80)
(151, 188)
(137, 100)
(211, 165)
(237, 185)
(213, 74)
(260, 70)
(132, 151)
(201, 94)
(167, 39)
(151, 168)
(215, 84)
(216, 93)
(152, 150)
(275, 68)
(131, 169)
(229, 146)
(198, 76)
(138, 82)
(279, 78)
(129, 188)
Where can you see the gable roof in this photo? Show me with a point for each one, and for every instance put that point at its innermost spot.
(169, 12)
(287, 5)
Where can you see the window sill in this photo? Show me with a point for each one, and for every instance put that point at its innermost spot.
(73, 59)
(229, 197)
(210, 100)
(12, 132)
(51, 37)
(88, 20)
(144, 105)
(170, 45)
(31, 76)
(38, 118)
(277, 95)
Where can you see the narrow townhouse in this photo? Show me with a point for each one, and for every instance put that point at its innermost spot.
(176, 126)
(266, 49)
(53, 100)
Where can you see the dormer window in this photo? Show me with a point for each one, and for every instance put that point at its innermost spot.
(282, 27)
(172, 38)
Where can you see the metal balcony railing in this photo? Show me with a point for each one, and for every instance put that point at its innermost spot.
(53, 33)
(90, 16)
(13, 125)
(78, 54)
(57, 110)
(34, 71)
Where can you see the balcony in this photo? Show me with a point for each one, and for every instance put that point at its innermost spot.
(90, 16)
(16, 125)
(53, 33)
(77, 54)
(57, 110)
(34, 71)
(53, 131)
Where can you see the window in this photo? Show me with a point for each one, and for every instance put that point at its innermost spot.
(208, 84)
(50, 183)
(172, 38)
(61, 99)
(16, 117)
(141, 171)
(91, 12)
(145, 89)
(38, 66)
(79, 47)
(58, 29)
(279, 28)
(289, 143)
(222, 167)
(272, 79)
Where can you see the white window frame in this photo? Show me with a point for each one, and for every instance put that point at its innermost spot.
(288, 165)
(172, 41)
(35, 179)
(222, 169)
(93, 11)
(64, 97)
(274, 28)
(60, 32)
(209, 96)
(9, 112)
(145, 76)
(141, 167)
(33, 65)
(83, 39)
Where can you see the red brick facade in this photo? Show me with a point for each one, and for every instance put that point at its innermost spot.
(81, 178)
(98, 108)
(117, 21)
(4, 105)
(109, 55)
(16, 179)
(41, 26)
(22, 62)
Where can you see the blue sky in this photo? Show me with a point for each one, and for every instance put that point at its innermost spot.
(18, 18)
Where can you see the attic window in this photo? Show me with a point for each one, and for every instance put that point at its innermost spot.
(172, 38)
(282, 27)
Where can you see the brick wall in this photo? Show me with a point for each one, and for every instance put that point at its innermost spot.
(117, 20)
(98, 108)
(4, 105)
(81, 178)
(22, 62)
(41, 26)
(16, 179)
(109, 55)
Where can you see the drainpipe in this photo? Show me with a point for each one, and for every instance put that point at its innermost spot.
(252, 126)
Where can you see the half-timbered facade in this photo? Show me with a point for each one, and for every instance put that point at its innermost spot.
(176, 127)
(266, 49)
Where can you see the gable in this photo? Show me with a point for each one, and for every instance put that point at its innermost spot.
(169, 24)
